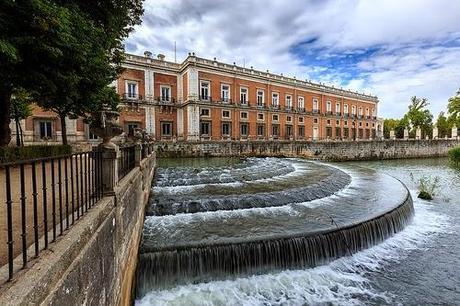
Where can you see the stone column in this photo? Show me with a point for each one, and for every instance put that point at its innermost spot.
(454, 132)
(392, 135)
(418, 133)
(406, 134)
(435, 132)
(110, 156)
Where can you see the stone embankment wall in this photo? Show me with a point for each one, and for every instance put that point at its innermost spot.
(94, 263)
(327, 150)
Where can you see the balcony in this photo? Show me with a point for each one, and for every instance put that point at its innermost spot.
(260, 105)
(130, 97)
(315, 111)
(345, 115)
(288, 108)
(273, 106)
(226, 100)
(360, 117)
(328, 113)
(338, 114)
(165, 100)
(243, 103)
(204, 98)
(301, 110)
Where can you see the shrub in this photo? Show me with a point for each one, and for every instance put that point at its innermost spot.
(454, 155)
(427, 186)
(12, 154)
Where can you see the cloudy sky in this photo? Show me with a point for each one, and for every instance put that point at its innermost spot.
(392, 48)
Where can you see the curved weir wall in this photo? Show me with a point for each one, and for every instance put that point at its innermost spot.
(312, 214)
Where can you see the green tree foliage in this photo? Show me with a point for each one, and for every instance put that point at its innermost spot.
(442, 125)
(454, 156)
(453, 105)
(65, 53)
(20, 109)
(419, 116)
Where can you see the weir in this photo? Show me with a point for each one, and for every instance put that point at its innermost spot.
(303, 214)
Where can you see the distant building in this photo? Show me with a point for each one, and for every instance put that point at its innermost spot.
(202, 99)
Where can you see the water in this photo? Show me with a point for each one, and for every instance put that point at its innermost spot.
(416, 266)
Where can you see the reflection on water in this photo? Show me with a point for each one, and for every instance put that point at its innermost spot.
(417, 266)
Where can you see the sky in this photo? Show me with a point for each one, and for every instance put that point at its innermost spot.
(394, 49)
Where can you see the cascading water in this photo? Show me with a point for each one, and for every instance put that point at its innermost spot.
(263, 215)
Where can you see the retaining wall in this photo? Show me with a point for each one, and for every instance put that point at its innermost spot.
(324, 150)
(93, 263)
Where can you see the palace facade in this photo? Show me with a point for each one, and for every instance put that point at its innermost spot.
(202, 99)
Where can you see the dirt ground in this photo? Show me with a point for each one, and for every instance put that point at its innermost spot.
(29, 220)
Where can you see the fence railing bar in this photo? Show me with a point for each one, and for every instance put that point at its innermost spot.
(72, 198)
(66, 180)
(60, 194)
(53, 201)
(23, 216)
(77, 186)
(45, 204)
(9, 222)
(35, 207)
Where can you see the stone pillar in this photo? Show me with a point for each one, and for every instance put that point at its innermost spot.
(435, 132)
(110, 156)
(138, 154)
(406, 134)
(392, 134)
(454, 132)
(418, 133)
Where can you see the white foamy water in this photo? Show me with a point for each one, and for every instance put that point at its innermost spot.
(343, 281)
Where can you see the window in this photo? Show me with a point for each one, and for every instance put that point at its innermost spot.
(300, 119)
(260, 130)
(288, 102)
(92, 136)
(275, 117)
(315, 120)
(205, 128)
(301, 103)
(225, 114)
(367, 112)
(243, 95)
(131, 128)
(165, 90)
(45, 129)
(244, 129)
(328, 106)
(288, 118)
(373, 112)
(275, 99)
(288, 130)
(260, 97)
(360, 111)
(353, 110)
(204, 90)
(275, 129)
(345, 123)
(131, 88)
(226, 129)
(225, 93)
(260, 116)
(360, 124)
(367, 124)
(205, 112)
(315, 105)
(345, 109)
(166, 129)
(301, 131)
(328, 122)
(244, 115)
(337, 108)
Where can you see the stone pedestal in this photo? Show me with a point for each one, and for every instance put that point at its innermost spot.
(110, 156)
(418, 133)
(435, 133)
(454, 132)
(392, 134)
(406, 134)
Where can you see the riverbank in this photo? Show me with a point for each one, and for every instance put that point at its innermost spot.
(321, 150)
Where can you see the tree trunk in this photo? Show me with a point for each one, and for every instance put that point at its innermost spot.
(18, 135)
(5, 103)
(63, 129)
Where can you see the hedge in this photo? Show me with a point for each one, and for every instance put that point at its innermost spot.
(454, 155)
(12, 154)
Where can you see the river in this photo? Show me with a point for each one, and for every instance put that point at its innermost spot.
(417, 266)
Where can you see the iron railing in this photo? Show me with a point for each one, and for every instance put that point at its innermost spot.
(44, 197)
(127, 160)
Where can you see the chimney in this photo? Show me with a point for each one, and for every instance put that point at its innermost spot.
(161, 57)
(148, 54)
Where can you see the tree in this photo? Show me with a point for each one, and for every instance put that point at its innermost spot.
(442, 125)
(453, 106)
(65, 53)
(419, 117)
(20, 109)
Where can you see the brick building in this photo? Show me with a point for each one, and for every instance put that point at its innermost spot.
(201, 99)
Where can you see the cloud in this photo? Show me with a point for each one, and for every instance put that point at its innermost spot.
(394, 49)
